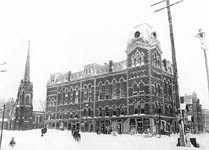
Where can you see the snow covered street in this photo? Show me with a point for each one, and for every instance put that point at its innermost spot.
(63, 140)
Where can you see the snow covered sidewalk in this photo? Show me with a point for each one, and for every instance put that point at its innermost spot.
(63, 140)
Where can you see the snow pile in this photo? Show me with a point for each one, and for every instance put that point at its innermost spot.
(63, 140)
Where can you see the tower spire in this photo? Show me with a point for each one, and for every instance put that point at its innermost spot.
(27, 65)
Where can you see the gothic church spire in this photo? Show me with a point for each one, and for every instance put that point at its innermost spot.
(27, 66)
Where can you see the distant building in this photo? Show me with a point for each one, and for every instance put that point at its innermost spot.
(5, 125)
(193, 113)
(38, 119)
(132, 95)
(205, 120)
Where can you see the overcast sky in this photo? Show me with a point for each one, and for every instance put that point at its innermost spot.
(66, 35)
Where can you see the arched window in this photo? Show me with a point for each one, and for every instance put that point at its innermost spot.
(89, 112)
(165, 88)
(89, 93)
(114, 89)
(27, 100)
(85, 95)
(100, 111)
(142, 106)
(122, 110)
(107, 90)
(76, 95)
(107, 113)
(136, 109)
(100, 91)
(71, 95)
(122, 87)
(135, 89)
(141, 86)
(114, 109)
(84, 112)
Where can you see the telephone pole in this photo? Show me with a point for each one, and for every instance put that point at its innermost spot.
(175, 71)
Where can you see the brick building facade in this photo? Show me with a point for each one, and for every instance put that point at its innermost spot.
(126, 96)
(193, 114)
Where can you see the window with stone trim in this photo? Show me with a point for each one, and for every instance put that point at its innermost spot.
(84, 112)
(107, 111)
(114, 109)
(107, 96)
(114, 89)
(76, 95)
(90, 92)
(71, 96)
(27, 100)
(142, 106)
(135, 89)
(122, 110)
(89, 112)
(122, 87)
(99, 111)
(100, 91)
(85, 93)
(136, 109)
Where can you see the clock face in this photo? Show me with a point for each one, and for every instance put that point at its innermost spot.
(137, 34)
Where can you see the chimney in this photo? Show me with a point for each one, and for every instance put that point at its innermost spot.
(110, 66)
(69, 75)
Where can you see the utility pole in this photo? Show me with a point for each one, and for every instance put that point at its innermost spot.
(2, 125)
(201, 36)
(175, 73)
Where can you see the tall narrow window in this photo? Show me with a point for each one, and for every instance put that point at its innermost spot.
(84, 112)
(100, 91)
(76, 95)
(136, 111)
(122, 88)
(142, 106)
(89, 93)
(114, 110)
(114, 89)
(135, 89)
(85, 93)
(100, 111)
(89, 112)
(106, 111)
(106, 90)
(27, 100)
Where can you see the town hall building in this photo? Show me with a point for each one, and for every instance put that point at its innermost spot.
(135, 95)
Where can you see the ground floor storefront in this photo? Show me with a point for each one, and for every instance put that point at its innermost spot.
(121, 124)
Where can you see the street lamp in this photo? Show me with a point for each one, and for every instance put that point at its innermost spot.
(201, 36)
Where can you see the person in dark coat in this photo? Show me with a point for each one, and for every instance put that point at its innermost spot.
(43, 131)
(12, 142)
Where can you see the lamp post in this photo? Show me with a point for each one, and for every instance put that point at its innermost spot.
(201, 36)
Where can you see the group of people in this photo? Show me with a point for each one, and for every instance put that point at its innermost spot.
(75, 133)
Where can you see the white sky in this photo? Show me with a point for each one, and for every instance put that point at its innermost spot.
(66, 35)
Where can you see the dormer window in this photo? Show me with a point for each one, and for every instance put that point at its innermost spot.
(137, 34)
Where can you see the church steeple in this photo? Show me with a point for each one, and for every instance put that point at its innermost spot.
(27, 65)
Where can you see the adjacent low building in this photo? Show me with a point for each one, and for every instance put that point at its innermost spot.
(205, 120)
(131, 95)
(193, 113)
